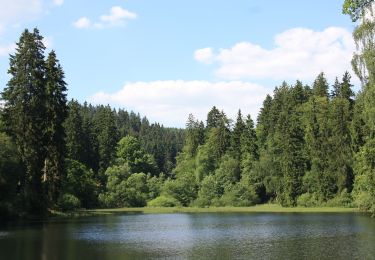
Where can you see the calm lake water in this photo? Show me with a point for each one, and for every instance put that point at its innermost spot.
(194, 236)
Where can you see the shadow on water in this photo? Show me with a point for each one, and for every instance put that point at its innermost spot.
(193, 236)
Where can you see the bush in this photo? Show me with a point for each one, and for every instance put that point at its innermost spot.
(80, 182)
(239, 195)
(344, 199)
(68, 202)
(308, 200)
(184, 189)
(124, 190)
(208, 192)
(164, 201)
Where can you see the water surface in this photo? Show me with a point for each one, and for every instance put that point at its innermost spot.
(194, 236)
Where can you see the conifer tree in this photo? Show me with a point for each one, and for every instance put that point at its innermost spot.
(56, 114)
(249, 146)
(238, 130)
(25, 114)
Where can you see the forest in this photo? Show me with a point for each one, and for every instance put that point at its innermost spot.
(311, 145)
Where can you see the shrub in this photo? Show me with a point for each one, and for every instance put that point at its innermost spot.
(344, 199)
(68, 202)
(164, 201)
(308, 200)
(239, 195)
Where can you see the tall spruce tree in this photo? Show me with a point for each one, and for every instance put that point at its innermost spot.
(75, 137)
(249, 146)
(318, 132)
(107, 135)
(238, 130)
(340, 141)
(25, 114)
(56, 109)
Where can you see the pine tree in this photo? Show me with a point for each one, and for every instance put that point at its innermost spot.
(264, 121)
(56, 115)
(320, 87)
(318, 133)
(75, 136)
(249, 147)
(194, 135)
(25, 114)
(238, 130)
(214, 118)
(107, 136)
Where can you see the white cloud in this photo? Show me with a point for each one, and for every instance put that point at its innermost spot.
(82, 22)
(204, 55)
(48, 42)
(170, 102)
(298, 53)
(6, 49)
(58, 2)
(16, 11)
(117, 17)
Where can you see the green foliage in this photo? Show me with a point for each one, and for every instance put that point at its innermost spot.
(107, 136)
(68, 202)
(364, 186)
(123, 188)
(24, 114)
(364, 121)
(209, 192)
(80, 182)
(343, 199)
(194, 135)
(239, 195)
(184, 189)
(308, 200)
(155, 185)
(308, 148)
(130, 150)
(249, 147)
(164, 201)
(55, 133)
(11, 171)
(205, 162)
(228, 172)
(34, 110)
(356, 8)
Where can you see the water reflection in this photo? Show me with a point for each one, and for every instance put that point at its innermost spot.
(194, 236)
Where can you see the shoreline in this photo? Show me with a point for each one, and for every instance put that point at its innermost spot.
(265, 208)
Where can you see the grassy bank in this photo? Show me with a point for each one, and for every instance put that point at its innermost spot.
(271, 208)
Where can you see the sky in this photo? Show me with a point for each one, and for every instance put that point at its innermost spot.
(166, 59)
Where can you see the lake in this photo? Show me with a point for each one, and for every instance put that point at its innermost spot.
(193, 236)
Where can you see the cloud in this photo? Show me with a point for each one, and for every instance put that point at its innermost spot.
(17, 11)
(117, 17)
(6, 49)
(170, 102)
(58, 2)
(298, 53)
(204, 55)
(82, 22)
(12, 12)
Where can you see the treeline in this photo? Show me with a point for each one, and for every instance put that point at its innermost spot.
(300, 152)
(312, 145)
(54, 153)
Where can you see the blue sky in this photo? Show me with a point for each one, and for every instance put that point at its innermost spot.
(166, 59)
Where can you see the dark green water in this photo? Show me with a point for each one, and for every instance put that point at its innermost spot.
(194, 236)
